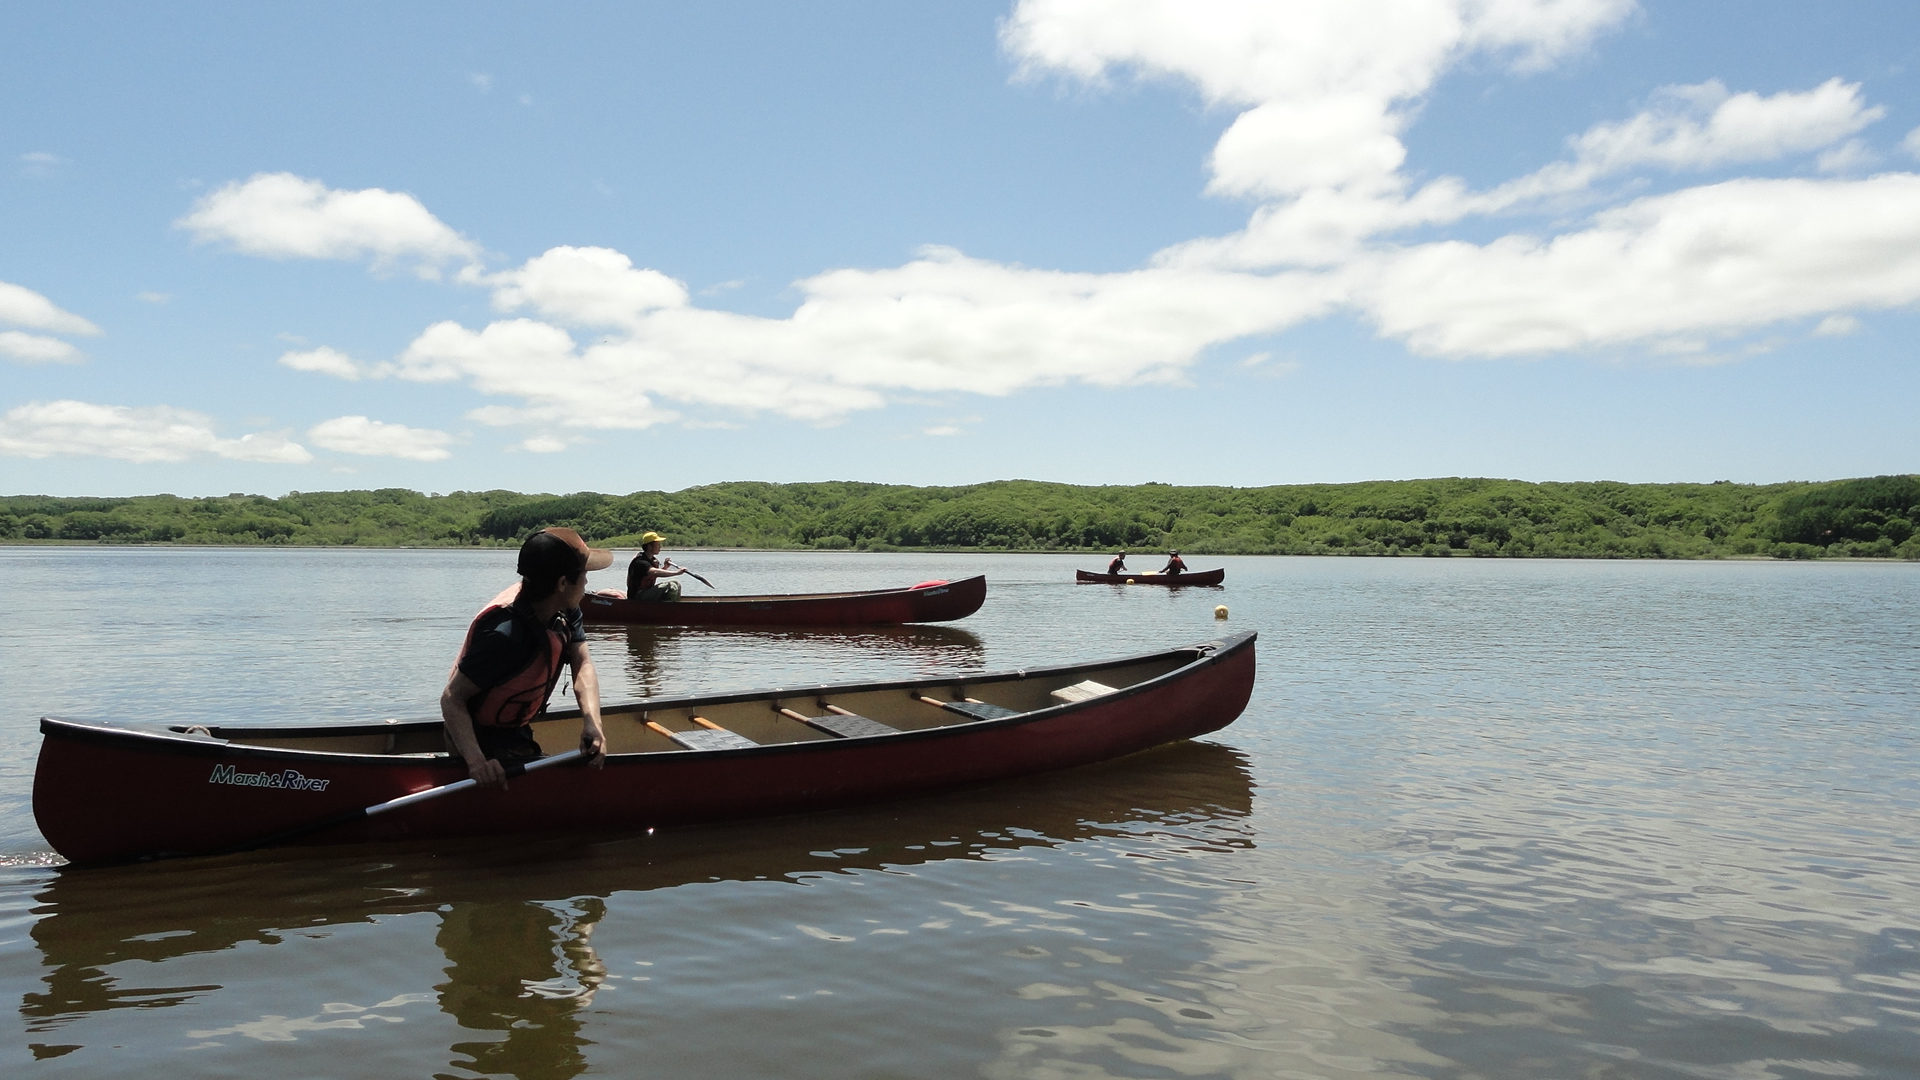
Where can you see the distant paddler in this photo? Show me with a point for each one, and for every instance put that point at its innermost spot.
(512, 658)
(1175, 564)
(1118, 565)
(648, 575)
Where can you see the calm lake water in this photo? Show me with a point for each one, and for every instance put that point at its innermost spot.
(1481, 819)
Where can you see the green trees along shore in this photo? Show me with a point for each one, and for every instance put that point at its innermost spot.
(1865, 518)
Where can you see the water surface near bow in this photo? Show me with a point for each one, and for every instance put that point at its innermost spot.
(1482, 819)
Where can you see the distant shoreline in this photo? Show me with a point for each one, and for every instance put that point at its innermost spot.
(1872, 518)
(140, 545)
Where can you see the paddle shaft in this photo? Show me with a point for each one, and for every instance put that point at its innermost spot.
(351, 816)
(691, 574)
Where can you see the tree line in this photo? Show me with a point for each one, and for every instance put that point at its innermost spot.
(1872, 517)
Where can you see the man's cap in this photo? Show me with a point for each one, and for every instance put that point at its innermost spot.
(651, 538)
(558, 551)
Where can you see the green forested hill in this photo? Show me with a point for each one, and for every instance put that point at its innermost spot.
(1873, 517)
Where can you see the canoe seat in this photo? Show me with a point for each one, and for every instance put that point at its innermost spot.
(1081, 691)
(710, 739)
(851, 727)
(979, 710)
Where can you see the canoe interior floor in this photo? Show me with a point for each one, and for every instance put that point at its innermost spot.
(763, 722)
(760, 721)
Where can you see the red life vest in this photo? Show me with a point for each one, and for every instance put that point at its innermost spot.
(524, 694)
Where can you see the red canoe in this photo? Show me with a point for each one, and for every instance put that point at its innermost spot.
(109, 792)
(932, 602)
(1201, 577)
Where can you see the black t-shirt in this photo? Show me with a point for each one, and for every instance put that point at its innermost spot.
(637, 572)
(505, 640)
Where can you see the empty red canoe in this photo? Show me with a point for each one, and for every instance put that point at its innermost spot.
(926, 602)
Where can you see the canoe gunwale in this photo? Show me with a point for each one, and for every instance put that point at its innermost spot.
(160, 739)
(945, 602)
(762, 598)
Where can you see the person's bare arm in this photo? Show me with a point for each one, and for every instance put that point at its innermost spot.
(664, 570)
(453, 710)
(586, 691)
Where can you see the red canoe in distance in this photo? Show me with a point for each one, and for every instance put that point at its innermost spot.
(1201, 577)
(929, 602)
(108, 792)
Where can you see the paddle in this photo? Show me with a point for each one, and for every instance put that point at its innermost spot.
(376, 809)
(690, 574)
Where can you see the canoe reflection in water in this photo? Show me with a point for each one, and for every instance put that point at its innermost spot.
(659, 659)
(517, 917)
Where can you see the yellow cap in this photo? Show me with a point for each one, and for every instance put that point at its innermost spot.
(651, 538)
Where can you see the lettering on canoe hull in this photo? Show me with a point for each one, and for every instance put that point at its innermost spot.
(288, 780)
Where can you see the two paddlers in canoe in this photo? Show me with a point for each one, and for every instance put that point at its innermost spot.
(1175, 564)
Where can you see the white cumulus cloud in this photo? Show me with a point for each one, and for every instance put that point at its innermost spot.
(37, 349)
(1328, 87)
(1703, 127)
(586, 287)
(1837, 326)
(22, 306)
(944, 322)
(1705, 261)
(140, 434)
(372, 438)
(281, 215)
(326, 361)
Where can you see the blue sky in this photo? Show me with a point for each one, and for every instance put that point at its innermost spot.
(624, 247)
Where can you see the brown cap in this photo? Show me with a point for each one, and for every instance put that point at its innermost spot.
(558, 551)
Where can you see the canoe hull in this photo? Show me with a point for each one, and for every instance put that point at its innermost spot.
(105, 793)
(1202, 577)
(884, 607)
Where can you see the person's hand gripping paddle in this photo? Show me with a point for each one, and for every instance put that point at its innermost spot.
(689, 573)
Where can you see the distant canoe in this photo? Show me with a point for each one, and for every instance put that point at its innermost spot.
(931, 602)
(1203, 577)
(106, 792)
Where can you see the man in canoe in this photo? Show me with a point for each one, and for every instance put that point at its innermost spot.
(512, 658)
(1118, 565)
(647, 574)
(1175, 564)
